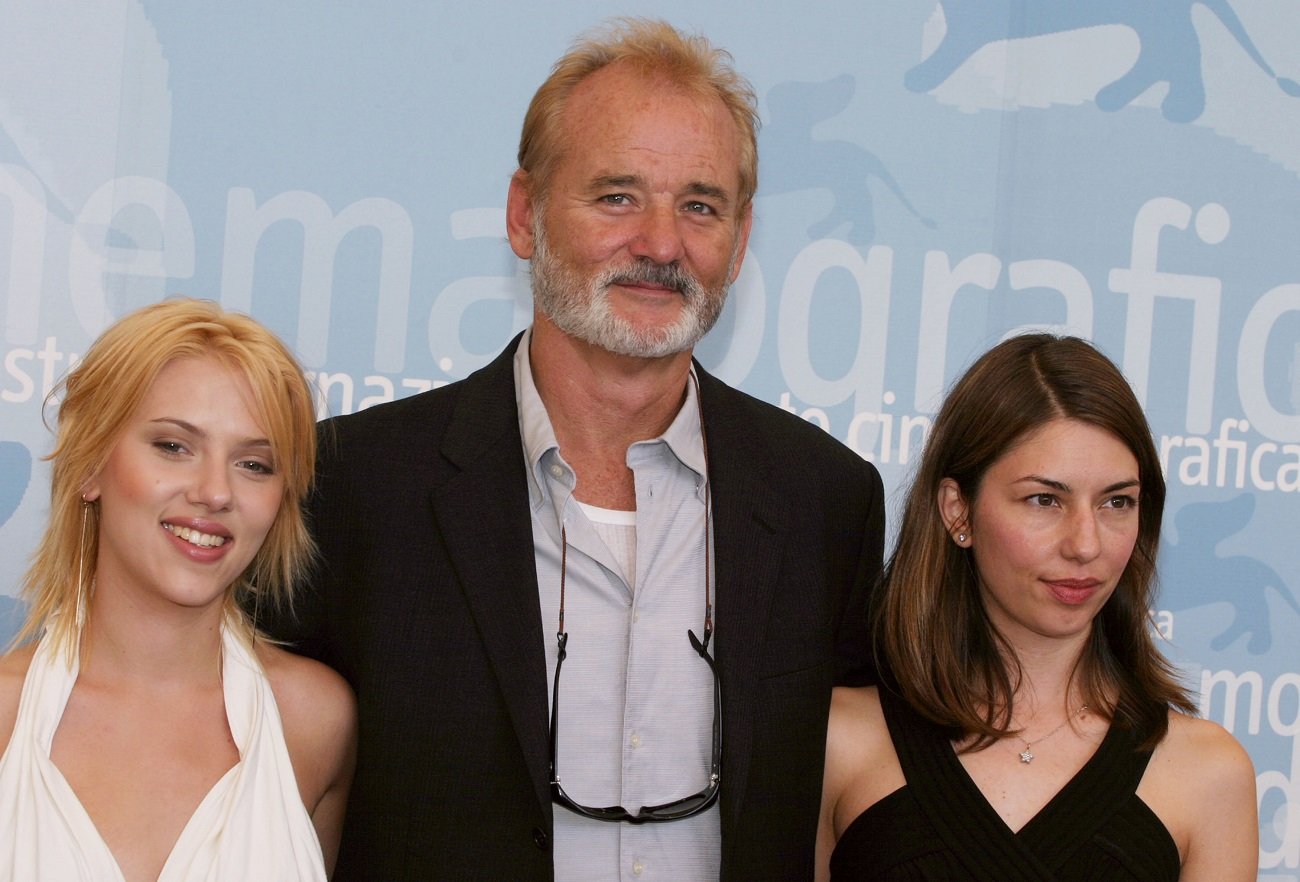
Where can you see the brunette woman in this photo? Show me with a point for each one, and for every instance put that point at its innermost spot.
(1028, 728)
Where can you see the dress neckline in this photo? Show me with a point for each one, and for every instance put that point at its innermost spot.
(967, 821)
(56, 700)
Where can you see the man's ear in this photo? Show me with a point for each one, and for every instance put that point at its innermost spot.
(955, 512)
(519, 215)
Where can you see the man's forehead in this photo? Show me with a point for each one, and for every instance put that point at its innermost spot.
(623, 86)
(622, 109)
(623, 76)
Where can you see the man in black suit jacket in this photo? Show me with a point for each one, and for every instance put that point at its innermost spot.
(633, 203)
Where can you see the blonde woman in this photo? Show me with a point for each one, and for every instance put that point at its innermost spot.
(148, 733)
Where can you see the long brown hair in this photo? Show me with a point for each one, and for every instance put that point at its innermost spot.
(931, 628)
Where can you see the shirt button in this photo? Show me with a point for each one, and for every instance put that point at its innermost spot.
(635, 740)
(637, 868)
(540, 839)
(557, 470)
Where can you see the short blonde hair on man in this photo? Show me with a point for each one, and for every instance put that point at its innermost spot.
(655, 48)
(101, 394)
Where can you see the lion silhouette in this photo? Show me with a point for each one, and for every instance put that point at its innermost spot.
(1194, 575)
(1170, 50)
(795, 160)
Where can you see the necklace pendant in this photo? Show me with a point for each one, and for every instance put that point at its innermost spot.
(1026, 756)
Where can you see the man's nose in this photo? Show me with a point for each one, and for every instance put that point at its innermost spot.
(658, 237)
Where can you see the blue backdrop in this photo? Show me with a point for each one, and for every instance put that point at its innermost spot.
(934, 177)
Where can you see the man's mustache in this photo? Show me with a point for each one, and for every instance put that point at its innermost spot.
(669, 275)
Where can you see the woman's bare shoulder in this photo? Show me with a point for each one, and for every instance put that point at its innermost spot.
(856, 708)
(13, 672)
(307, 692)
(1204, 745)
(857, 723)
(861, 764)
(1201, 784)
(319, 714)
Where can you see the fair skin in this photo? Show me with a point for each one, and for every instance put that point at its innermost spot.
(647, 172)
(1052, 530)
(144, 736)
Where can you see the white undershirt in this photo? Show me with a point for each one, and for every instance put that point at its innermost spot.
(617, 529)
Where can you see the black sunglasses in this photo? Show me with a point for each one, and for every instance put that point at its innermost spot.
(676, 810)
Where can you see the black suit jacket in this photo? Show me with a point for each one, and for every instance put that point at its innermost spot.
(427, 602)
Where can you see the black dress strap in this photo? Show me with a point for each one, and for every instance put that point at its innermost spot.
(973, 832)
(939, 827)
(1094, 825)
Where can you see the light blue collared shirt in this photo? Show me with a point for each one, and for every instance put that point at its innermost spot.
(636, 700)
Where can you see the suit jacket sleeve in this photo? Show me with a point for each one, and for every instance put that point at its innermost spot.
(855, 663)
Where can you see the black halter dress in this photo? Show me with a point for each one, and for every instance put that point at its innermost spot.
(938, 826)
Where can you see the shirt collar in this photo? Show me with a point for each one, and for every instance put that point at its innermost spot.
(684, 435)
(534, 425)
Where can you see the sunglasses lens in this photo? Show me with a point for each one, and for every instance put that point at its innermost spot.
(682, 808)
(668, 811)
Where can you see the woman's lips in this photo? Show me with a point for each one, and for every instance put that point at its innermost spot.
(1073, 591)
(199, 541)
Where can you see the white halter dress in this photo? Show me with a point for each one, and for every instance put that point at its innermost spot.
(251, 824)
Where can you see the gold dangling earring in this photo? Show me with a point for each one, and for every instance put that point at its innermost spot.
(83, 593)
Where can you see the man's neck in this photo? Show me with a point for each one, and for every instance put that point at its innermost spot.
(599, 404)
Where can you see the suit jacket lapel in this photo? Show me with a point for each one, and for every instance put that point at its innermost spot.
(747, 542)
(483, 513)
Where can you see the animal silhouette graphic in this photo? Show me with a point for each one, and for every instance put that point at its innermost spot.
(1170, 50)
(794, 160)
(1192, 574)
(12, 611)
(15, 475)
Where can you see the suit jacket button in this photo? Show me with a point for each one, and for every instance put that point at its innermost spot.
(540, 839)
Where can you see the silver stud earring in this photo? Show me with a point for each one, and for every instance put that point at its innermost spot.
(961, 537)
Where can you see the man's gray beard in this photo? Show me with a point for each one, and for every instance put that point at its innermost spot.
(581, 308)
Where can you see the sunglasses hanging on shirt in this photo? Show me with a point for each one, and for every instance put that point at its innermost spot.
(687, 806)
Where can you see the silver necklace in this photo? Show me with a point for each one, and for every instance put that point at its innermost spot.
(1027, 755)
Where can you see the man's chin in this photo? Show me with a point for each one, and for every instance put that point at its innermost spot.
(639, 337)
(644, 343)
